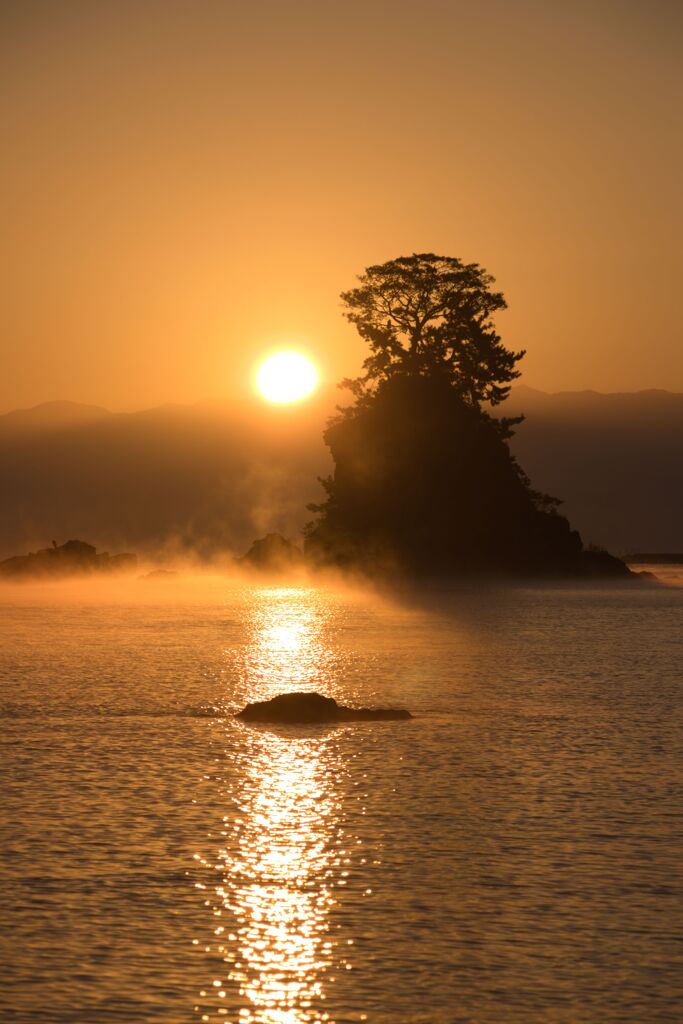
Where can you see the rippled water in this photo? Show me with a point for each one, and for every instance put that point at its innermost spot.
(511, 855)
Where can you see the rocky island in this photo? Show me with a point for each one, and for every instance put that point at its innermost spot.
(313, 708)
(75, 557)
(272, 553)
(424, 483)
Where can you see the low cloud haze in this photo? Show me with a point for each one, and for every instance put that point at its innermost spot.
(205, 480)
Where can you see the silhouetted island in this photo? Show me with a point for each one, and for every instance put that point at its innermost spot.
(72, 558)
(424, 482)
(311, 708)
(272, 552)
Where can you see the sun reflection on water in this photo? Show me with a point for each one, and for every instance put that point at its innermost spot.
(285, 849)
(279, 877)
(287, 649)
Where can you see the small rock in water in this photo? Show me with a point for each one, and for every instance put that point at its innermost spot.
(297, 708)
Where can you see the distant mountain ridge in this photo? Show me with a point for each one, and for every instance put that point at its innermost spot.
(49, 415)
(200, 480)
(616, 461)
(208, 478)
(647, 397)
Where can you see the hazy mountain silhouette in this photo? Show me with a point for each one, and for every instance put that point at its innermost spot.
(616, 460)
(209, 478)
(50, 416)
(203, 479)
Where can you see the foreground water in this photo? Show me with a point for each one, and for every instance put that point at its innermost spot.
(511, 855)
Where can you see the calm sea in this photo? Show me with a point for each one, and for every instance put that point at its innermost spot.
(511, 855)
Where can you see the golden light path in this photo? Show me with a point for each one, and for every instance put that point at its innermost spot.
(286, 848)
(286, 377)
(278, 884)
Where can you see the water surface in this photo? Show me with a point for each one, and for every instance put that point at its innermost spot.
(511, 856)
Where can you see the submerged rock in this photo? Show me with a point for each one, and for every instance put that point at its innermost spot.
(305, 708)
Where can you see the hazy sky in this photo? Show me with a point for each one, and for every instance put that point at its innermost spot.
(188, 184)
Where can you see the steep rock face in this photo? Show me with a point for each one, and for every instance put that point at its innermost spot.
(426, 484)
(72, 558)
(600, 564)
(312, 708)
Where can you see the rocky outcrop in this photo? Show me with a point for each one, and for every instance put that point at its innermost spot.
(73, 558)
(601, 564)
(272, 552)
(425, 487)
(313, 708)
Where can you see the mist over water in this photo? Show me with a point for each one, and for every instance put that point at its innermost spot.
(510, 855)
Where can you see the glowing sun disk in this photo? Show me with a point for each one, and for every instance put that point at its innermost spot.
(286, 377)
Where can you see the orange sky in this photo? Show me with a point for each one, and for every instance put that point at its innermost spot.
(186, 184)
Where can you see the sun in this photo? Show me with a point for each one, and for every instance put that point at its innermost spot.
(286, 377)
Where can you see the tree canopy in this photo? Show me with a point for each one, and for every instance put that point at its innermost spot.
(425, 315)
